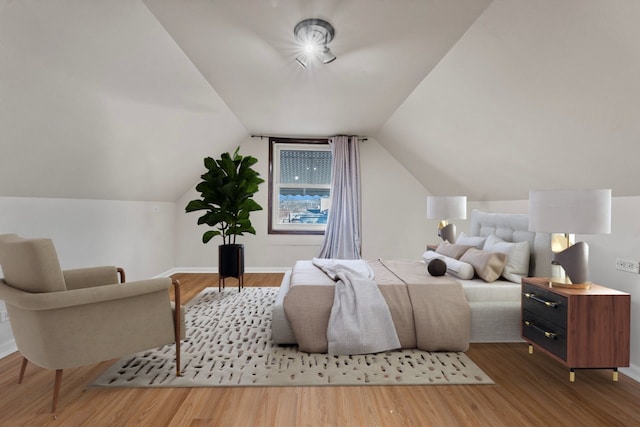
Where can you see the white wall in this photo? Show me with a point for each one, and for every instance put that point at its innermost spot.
(394, 219)
(623, 242)
(137, 236)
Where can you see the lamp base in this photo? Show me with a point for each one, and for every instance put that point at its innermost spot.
(448, 233)
(575, 261)
(561, 282)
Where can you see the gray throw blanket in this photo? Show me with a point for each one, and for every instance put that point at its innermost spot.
(360, 321)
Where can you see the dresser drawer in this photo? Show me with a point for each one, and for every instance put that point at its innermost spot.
(549, 306)
(546, 334)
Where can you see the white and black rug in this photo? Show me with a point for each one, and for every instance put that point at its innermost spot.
(229, 344)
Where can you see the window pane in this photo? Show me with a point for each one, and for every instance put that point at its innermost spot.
(305, 167)
(303, 205)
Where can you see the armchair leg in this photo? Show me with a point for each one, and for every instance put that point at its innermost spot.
(176, 322)
(178, 358)
(56, 389)
(22, 369)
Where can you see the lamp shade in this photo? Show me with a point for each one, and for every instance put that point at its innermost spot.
(446, 207)
(570, 211)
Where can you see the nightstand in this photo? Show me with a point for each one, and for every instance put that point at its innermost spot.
(580, 328)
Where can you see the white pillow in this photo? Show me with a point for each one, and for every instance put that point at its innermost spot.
(518, 254)
(477, 241)
(459, 269)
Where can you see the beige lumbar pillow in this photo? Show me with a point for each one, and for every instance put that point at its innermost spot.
(517, 265)
(487, 265)
(452, 250)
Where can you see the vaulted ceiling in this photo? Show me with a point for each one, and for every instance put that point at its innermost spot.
(122, 99)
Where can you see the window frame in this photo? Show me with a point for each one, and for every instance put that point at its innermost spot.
(309, 229)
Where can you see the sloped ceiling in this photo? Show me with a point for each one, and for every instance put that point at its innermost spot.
(535, 95)
(98, 102)
(122, 99)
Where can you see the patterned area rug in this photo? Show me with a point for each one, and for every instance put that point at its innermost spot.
(229, 344)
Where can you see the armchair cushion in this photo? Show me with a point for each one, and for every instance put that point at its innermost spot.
(90, 277)
(7, 237)
(31, 264)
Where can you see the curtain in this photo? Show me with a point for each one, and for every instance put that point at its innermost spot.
(342, 237)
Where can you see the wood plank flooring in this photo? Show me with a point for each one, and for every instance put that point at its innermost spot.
(529, 390)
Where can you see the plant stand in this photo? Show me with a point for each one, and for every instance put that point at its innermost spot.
(230, 264)
(240, 282)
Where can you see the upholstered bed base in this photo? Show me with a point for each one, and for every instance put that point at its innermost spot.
(281, 330)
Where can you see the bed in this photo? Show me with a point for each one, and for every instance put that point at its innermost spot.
(494, 306)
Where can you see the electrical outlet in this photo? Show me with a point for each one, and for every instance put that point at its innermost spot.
(4, 316)
(628, 265)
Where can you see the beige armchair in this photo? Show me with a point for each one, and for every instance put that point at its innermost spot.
(64, 319)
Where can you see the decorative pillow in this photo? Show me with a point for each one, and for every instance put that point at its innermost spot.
(477, 241)
(487, 265)
(518, 254)
(437, 267)
(461, 270)
(452, 250)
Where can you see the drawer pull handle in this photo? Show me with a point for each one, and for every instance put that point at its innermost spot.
(536, 298)
(547, 334)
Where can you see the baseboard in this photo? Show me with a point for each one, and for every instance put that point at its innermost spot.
(8, 347)
(215, 270)
(187, 270)
(633, 372)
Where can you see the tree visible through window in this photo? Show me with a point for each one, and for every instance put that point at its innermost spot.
(300, 185)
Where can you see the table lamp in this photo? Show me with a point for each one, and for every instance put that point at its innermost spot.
(445, 208)
(571, 212)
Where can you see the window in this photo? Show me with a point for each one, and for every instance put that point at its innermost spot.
(299, 185)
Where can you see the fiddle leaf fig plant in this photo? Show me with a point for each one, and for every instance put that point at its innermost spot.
(227, 190)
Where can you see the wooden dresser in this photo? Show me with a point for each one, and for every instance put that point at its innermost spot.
(581, 328)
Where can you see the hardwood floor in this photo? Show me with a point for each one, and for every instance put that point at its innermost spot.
(529, 390)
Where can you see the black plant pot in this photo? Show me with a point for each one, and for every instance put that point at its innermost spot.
(231, 260)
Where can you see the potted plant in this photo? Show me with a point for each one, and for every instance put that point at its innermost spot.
(226, 192)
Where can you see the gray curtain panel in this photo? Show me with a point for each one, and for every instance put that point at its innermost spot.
(342, 238)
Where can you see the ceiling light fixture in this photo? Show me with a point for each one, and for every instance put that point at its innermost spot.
(314, 35)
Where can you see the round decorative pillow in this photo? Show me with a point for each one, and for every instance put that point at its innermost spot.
(437, 267)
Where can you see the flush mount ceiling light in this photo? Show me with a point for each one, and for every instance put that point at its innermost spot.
(314, 35)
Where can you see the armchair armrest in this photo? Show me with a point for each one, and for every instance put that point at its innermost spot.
(89, 277)
(75, 297)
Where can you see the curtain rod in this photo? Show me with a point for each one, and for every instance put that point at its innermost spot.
(360, 138)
